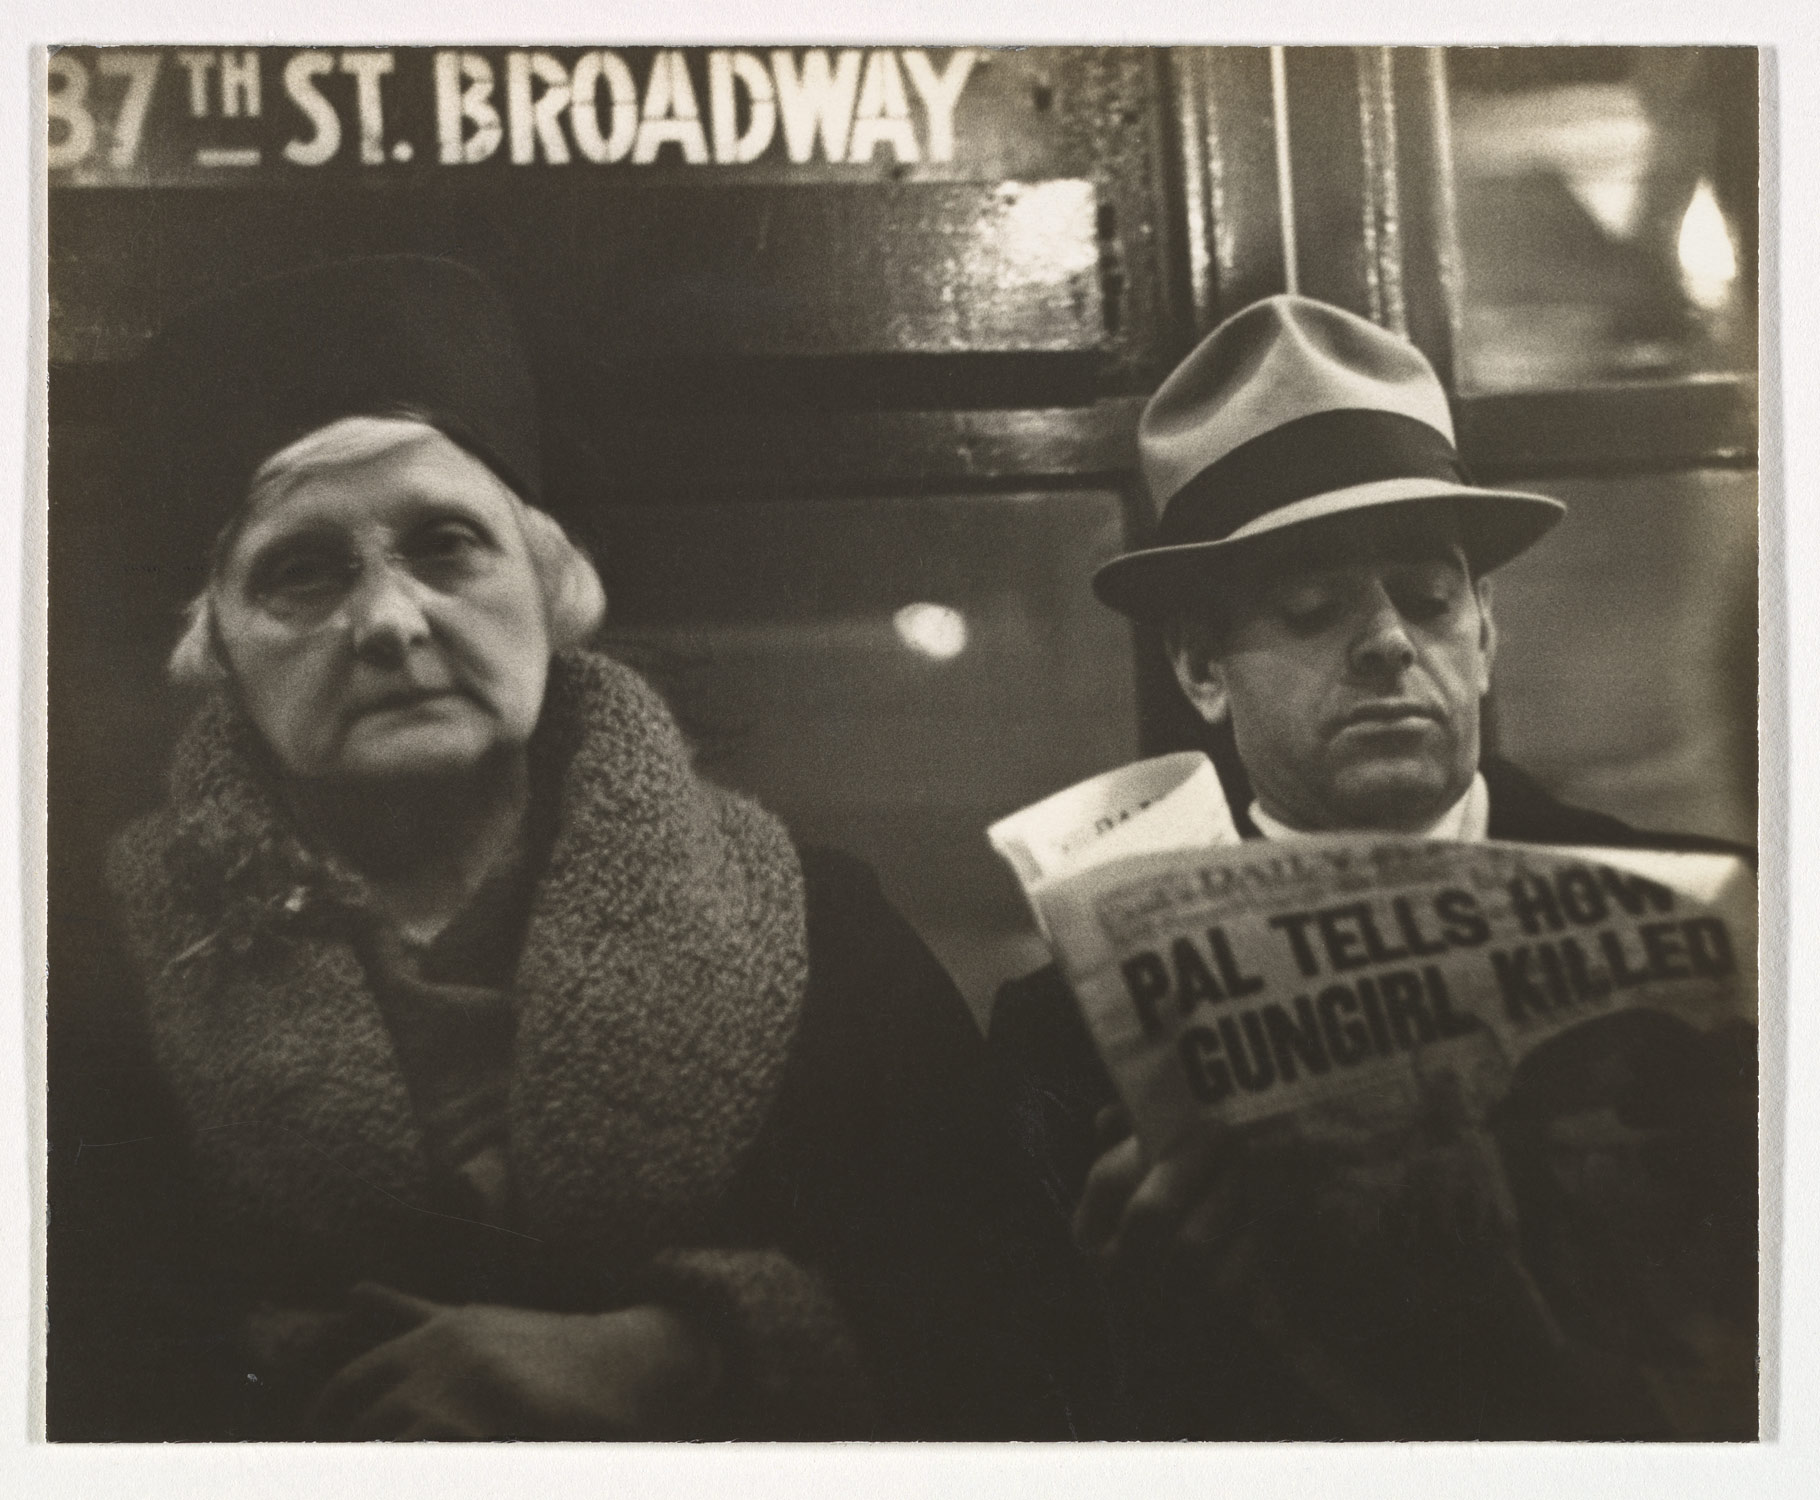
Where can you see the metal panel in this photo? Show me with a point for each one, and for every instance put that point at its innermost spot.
(1425, 184)
(793, 453)
(666, 270)
(1620, 429)
(1227, 140)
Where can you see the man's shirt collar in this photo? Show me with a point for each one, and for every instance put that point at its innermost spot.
(1464, 822)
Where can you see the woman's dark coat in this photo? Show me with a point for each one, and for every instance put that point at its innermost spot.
(823, 1188)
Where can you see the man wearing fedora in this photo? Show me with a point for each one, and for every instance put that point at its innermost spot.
(1321, 573)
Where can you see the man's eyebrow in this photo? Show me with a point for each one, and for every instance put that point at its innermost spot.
(1416, 551)
(1324, 565)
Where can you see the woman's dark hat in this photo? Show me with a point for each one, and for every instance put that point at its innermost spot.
(234, 380)
(1289, 412)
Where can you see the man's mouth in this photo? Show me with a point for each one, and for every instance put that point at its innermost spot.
(1390, 714)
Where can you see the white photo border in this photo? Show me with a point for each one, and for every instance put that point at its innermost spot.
(1791, 922)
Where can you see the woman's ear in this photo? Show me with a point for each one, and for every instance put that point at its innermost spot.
(574, 601)
(196, 660)
(1190, 644)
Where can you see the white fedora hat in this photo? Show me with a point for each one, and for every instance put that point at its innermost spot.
(1290, 411)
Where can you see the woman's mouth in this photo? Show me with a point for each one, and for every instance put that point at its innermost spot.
(402, 700)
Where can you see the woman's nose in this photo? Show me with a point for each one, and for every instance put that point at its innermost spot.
(385, 616)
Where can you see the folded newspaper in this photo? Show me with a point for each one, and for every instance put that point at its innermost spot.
(1339, 990)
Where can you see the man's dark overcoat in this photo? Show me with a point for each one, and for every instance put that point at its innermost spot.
(1186, 1364)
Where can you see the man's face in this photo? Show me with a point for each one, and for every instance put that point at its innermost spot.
(1351, 654)
(382, 617)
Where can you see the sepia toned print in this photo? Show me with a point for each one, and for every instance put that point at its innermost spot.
(558, 554)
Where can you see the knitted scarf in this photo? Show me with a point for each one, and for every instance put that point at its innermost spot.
(657, 994)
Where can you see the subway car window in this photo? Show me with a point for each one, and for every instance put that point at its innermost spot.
(1651, 593)
(1607, 213)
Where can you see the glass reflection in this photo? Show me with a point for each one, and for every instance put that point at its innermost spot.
(1607, 212)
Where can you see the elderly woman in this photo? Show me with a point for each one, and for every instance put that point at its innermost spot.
(529, 1085)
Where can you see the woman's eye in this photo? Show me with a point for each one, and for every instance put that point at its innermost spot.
(446, 542)
(303, 575)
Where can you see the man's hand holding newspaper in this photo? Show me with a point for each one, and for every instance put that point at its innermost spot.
(1391, 1096)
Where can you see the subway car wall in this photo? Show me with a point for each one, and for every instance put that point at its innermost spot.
(841, 352)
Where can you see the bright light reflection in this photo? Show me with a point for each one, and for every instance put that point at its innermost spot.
(932, 630)
(1046, 232)
(1709, 264)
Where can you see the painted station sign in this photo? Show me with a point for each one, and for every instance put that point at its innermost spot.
(160, 116)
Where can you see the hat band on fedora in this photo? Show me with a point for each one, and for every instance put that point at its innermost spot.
(1311, 455)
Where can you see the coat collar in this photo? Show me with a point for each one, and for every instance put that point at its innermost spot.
(658, 992)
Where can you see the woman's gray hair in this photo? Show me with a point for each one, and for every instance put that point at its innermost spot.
(574, 601)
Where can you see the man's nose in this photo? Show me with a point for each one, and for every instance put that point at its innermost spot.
(1382, 644)
(385, 615)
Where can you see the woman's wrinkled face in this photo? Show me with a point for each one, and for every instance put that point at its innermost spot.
(381, 615)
